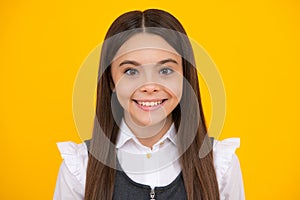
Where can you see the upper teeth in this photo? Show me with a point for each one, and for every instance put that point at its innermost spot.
(153, 103)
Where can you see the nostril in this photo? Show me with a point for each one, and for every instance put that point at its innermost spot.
(150, 88)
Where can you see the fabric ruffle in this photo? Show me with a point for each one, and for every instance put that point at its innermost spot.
(75, 157)
(223, 156)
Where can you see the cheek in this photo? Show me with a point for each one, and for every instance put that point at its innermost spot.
(174, 87)
(124, 90)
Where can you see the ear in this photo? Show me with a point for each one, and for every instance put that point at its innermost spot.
(112, 84)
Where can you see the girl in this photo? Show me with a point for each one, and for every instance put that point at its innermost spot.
(149, 138)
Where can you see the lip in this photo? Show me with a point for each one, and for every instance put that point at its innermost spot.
(148, 108)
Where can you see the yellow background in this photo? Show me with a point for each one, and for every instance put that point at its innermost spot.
(255, 45)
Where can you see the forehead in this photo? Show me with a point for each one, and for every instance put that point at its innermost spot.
(146, 46)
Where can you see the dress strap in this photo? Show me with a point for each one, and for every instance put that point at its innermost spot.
(212, 140)
(87, 143)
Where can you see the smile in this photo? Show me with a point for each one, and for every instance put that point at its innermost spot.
(149, 104)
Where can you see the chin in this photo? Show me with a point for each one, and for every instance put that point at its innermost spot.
(149, 122)
(143, 123)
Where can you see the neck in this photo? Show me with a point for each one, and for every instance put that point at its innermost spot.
(149, 135)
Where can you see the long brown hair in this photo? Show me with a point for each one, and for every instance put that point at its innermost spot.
(198, 172)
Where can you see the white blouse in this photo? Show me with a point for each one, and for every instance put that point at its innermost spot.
(156, 166)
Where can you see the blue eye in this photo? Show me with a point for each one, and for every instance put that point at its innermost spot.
(166, 71)
(131, 72)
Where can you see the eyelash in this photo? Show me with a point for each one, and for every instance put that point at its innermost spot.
(166, 68)
(130, 69)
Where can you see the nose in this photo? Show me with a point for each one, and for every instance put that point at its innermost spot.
(150, 88)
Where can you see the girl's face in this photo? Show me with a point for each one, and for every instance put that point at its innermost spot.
(148, 77)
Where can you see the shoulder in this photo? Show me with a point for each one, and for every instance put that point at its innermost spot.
(75, 158)
(227, 168)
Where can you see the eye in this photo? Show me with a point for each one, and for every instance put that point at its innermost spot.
(166, 71)
(131, 71)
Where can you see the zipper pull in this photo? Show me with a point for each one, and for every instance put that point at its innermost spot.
(152, 194)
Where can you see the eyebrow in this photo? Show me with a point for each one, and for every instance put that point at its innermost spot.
(132, 62)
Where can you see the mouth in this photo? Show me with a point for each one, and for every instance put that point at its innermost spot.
(150, 104)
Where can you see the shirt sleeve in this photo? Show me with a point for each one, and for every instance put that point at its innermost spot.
(228, 170)
(232, 186)
(67, 186)
(70, 183)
